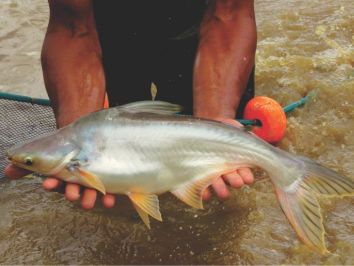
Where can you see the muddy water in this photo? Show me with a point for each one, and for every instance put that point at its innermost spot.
(22, 27)
(303, 46)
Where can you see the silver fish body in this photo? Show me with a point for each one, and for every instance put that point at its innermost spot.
(142, 150)
(153, 153)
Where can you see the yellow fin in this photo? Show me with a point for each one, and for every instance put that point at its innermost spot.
(89, 179)
(143, 215)
(299, 199)
(327, 182)
(303, 212)
(147, 203)
(191, 193)
(30, 176)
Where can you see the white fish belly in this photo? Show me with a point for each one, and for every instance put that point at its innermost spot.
(132, 170)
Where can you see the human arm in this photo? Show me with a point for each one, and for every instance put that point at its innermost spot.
(223, 64)
(73, 72)
(71, 61)
(73, 76)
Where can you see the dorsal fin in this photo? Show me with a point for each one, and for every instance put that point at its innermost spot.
(156, 107)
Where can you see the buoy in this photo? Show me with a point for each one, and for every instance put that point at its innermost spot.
(106, 102)
(271, 116)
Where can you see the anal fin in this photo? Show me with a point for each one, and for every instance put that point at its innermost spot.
(191, 193)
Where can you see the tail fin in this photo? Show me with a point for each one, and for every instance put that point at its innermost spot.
(300, 205)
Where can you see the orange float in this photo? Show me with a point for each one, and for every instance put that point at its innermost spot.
(271, 116)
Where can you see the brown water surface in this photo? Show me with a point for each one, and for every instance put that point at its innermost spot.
(303, 46)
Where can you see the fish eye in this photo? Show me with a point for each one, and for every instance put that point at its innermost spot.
(28, 161)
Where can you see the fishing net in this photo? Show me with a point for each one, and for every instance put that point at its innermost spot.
(20, 121)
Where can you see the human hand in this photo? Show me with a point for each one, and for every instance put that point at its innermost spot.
(235, 179)
(72, 191)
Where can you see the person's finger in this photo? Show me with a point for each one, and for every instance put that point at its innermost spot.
(220, 188)
(206, 194)
(51, 183)
(234, 179)
(109, 200)
(88, 198)
(72, 192)
(14, 172)
(247, 175)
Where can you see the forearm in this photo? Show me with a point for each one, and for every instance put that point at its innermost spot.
(224, 59)
(73, 72)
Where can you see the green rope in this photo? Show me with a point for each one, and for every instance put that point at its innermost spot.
(245, 122)
(26, 99)
(300, 102)
(286, 109)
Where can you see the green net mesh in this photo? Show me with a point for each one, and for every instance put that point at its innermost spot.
(20, 121)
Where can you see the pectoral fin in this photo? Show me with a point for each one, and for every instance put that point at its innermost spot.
(88, 178)
(146, 204)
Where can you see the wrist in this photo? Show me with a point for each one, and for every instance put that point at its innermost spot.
(207, 105)
(212, 101)
(215, 113)
(69, 115)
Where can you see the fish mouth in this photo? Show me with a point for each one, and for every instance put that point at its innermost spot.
(13, 161)
(52, 171)
(12, 158)
(18, 164)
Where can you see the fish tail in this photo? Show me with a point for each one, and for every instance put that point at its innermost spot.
(299, 200)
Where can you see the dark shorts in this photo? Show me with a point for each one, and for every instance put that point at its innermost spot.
(140, 44)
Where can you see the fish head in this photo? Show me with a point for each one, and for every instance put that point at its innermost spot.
(46, 155)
